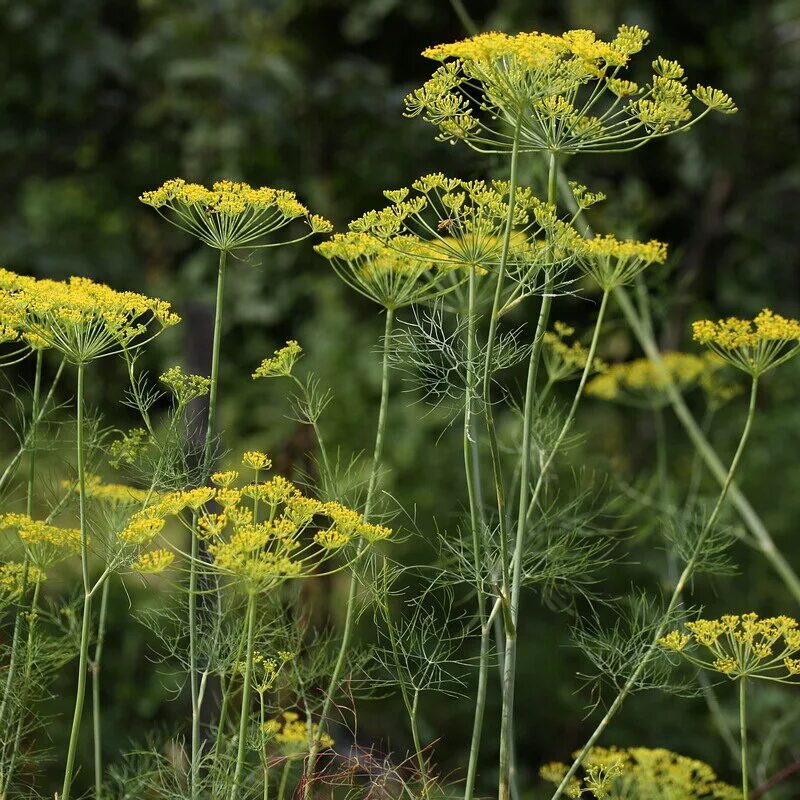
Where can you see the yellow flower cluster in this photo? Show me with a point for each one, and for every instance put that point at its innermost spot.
(292, 732)
(260, 533)
(754, 346)
(644, 774)
(154, 561)
(256, 460)
(281, 363)
(185, 388)
(563, 359)
(642, 382)
(392, 276)
(14, 577)
(612, 262)
(47, 544)
(231, 215)
(81, 319)
(555, 93)
(113, 494)
(743, 646)
(449, 223)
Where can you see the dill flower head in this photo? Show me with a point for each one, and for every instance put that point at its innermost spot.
(232, 215)
(14, 577)
(449, 224)
(559, 94)
(612, 262)
(745, 646)
(753, 346)
(294, 734)
(85, 320)
(263, 533)
(256, 460)
(391, 276)
(153, 561)
(183, 387)
(611, 773)
(281, 363)
(643, 383)
(564, 359)
(46, 544)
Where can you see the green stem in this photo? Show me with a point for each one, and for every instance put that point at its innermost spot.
(32, 428)
(525, 507)
(494, 447)
(746, 511)
(94, 667)
(30, 444)
(471, 473)
(195, 543)
(284, 779)
(350, 610)
(743, 735)
(244, 717)
(688, 570)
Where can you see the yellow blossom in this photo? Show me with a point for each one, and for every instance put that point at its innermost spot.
(281, 363)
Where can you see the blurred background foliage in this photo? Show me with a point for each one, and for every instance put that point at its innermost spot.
(103, 99)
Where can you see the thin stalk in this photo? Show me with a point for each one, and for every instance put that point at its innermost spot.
(94, 667)
(32, 428)
(195, 543)
(470, 470)
(674, 600)
(29, 443)
(494, 447)
(743, 735)
(245, 707)
(411, 706)
(525, 506)
(350, 609)
(83, 659)
(284, 779)
(712, 461)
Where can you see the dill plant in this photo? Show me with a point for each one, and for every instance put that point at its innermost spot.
(448, 262)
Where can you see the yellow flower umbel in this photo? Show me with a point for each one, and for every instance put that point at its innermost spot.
(641, 773)
(563, 359)
(291, 734)
(84, 320)
(644, 383)
(743, 646)
(386, 275)
(556, 94)
(451, 224)
(281, 363)
(45, 544)
(611, 262)
(753, 346)
(231, 215)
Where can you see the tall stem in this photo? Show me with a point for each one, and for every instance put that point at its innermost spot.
(688, 570)
(245, 708)
(195, 543)
(743, 735)
(97, 729)
(494, 447)
(83, 659)
(509, 671)
(350, 610)
(470, 453)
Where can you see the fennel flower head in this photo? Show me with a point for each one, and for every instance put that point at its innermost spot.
(745, 646)
(81, 319)
(393, 276)
(558, 94)
(260, 534)
(641, 773)
(453, 224)
(232, 215)
(564, 357)
(753, 346)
